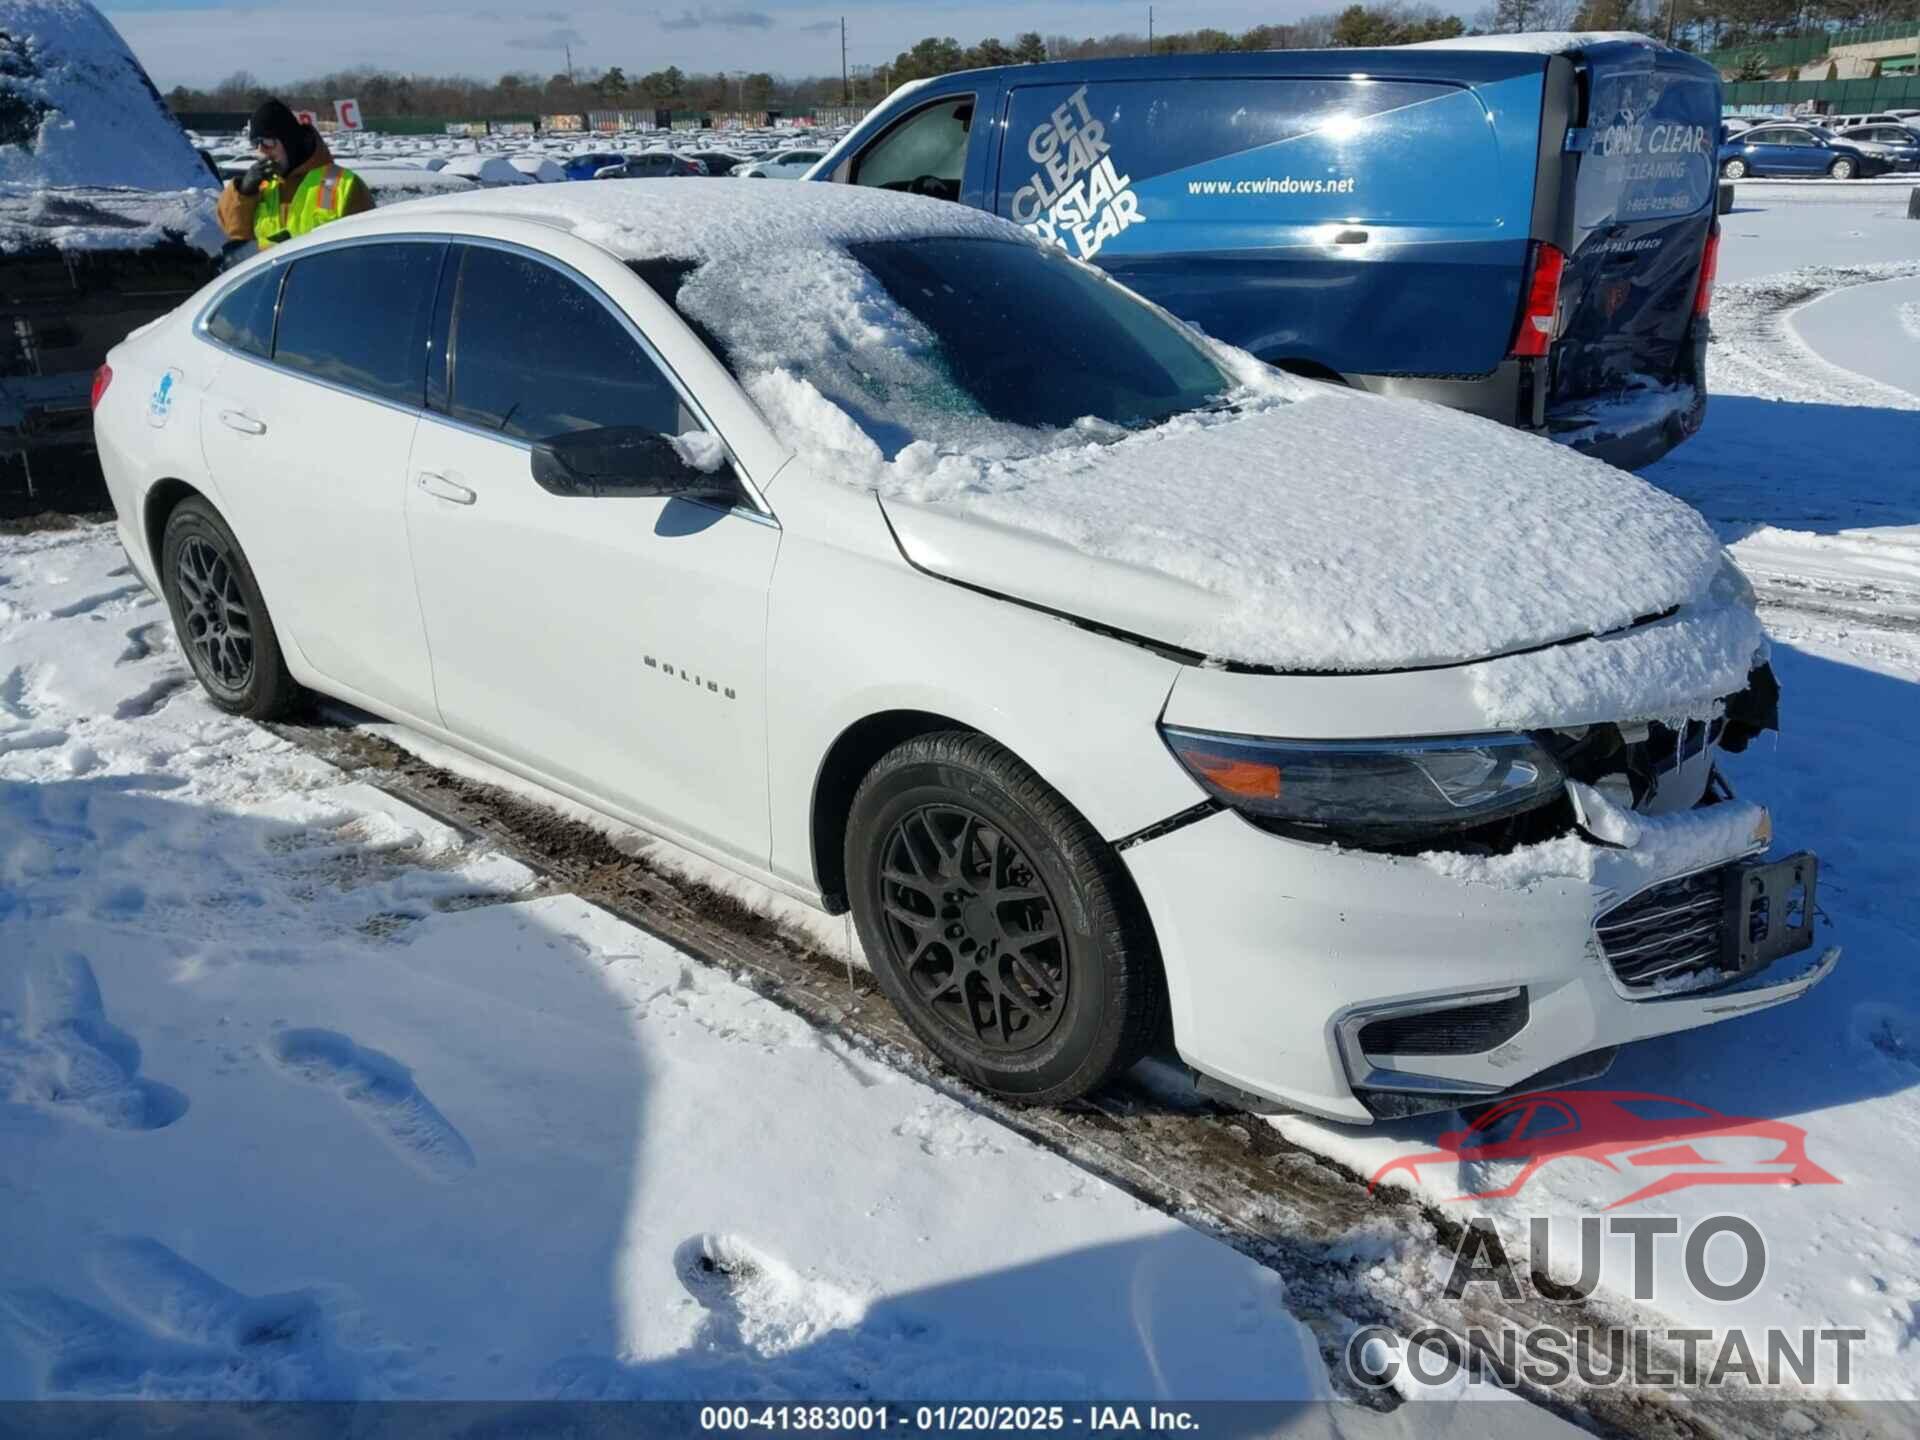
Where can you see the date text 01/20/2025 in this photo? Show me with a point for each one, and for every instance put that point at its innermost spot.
(931, 1418)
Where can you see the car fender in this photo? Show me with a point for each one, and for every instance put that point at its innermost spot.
(855, 632)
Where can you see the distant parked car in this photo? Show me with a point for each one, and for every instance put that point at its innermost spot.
(588, 165)
(488, 170)
(391, 184)
(654, 165)
(1732, 125)
(543, 169)
(1798, 150)
(782, 165)
(718, 162)
(1899, 143)
(1847, 122)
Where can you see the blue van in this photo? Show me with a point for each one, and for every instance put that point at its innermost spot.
(1526, 233)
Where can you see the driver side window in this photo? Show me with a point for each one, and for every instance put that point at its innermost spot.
(532, 355)
(925, 154)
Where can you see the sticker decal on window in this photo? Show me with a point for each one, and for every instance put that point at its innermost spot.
(1076, 195)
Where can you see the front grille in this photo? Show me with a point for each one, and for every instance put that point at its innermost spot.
(1459, 1030)
(1668, 932)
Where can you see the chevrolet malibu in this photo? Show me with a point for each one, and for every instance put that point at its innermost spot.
(1117, 683)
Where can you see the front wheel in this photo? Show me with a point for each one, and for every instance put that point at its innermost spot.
(1734, 169)
(220, 618)
(1841, 169)
(1000, 924)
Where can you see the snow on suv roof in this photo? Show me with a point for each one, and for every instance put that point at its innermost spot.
(76, 109)
(654, 219)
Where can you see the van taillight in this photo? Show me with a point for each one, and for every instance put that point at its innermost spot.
(1540, 318)
(1709, 267)
(102, 378)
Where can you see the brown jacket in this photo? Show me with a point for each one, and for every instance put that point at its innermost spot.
(237, 210)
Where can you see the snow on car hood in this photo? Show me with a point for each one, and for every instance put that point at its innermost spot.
(1324, 530)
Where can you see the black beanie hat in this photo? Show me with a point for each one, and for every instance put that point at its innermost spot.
(274, 121)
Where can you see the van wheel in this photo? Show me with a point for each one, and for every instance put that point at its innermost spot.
(1734, 169)
(999, 923)
(1841, 169)
(219, 617)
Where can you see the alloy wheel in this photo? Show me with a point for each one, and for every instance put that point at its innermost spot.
(972, 929)
(216, 621)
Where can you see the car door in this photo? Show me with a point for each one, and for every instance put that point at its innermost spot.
(1806, 154)
(612, 642)
(306, 430)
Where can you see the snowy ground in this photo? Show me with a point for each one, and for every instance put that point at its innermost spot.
(303, 1093)
(1809, 464)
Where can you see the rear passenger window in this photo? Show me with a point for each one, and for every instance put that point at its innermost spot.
(244, 319)
(357, 316)
(926, 154)
(534, 355)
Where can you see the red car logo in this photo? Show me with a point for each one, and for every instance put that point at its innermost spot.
(1617, 1128)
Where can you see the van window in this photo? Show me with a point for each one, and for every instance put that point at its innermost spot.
(926, 154)
(535, 355)
(1652, 148)
(357, 315)
(244, 318)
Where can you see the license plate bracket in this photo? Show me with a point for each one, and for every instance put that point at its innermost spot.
(1769, 911)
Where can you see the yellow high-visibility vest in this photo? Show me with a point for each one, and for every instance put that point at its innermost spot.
(320, 195)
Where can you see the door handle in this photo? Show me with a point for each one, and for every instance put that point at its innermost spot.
(435, 484)
(244, 423)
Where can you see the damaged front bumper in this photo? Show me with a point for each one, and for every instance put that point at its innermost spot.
(1359, 986)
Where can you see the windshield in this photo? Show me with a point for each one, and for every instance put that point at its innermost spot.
(998, 347)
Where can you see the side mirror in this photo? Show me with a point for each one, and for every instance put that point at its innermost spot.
(626, 460)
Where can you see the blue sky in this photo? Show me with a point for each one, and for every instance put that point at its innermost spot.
(193, 41)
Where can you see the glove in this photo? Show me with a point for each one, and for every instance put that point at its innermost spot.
(257, 175)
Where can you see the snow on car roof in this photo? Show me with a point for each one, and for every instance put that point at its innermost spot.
(78, 110)
(1540, 42)
(656, 219)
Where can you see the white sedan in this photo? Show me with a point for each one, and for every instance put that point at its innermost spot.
(781, 165)
(862, 544)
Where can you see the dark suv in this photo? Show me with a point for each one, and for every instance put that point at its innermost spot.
(106, 222)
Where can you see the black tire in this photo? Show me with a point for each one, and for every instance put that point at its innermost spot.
(220, 618)
(1842, 169)
(956, 922)
(1734, 169)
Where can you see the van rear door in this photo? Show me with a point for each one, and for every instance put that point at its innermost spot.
(1643, 204)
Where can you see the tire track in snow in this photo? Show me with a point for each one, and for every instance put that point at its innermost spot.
(1756, 351)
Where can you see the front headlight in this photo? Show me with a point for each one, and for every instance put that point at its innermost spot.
(1370, 792)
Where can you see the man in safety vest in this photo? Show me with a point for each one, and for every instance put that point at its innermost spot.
(293, 188)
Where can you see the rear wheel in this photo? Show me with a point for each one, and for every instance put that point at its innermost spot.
(1841, 169)
(220, 618)
(999, 923)
(1734, 169)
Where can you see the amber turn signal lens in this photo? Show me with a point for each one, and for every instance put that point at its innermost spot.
(1237, 776)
